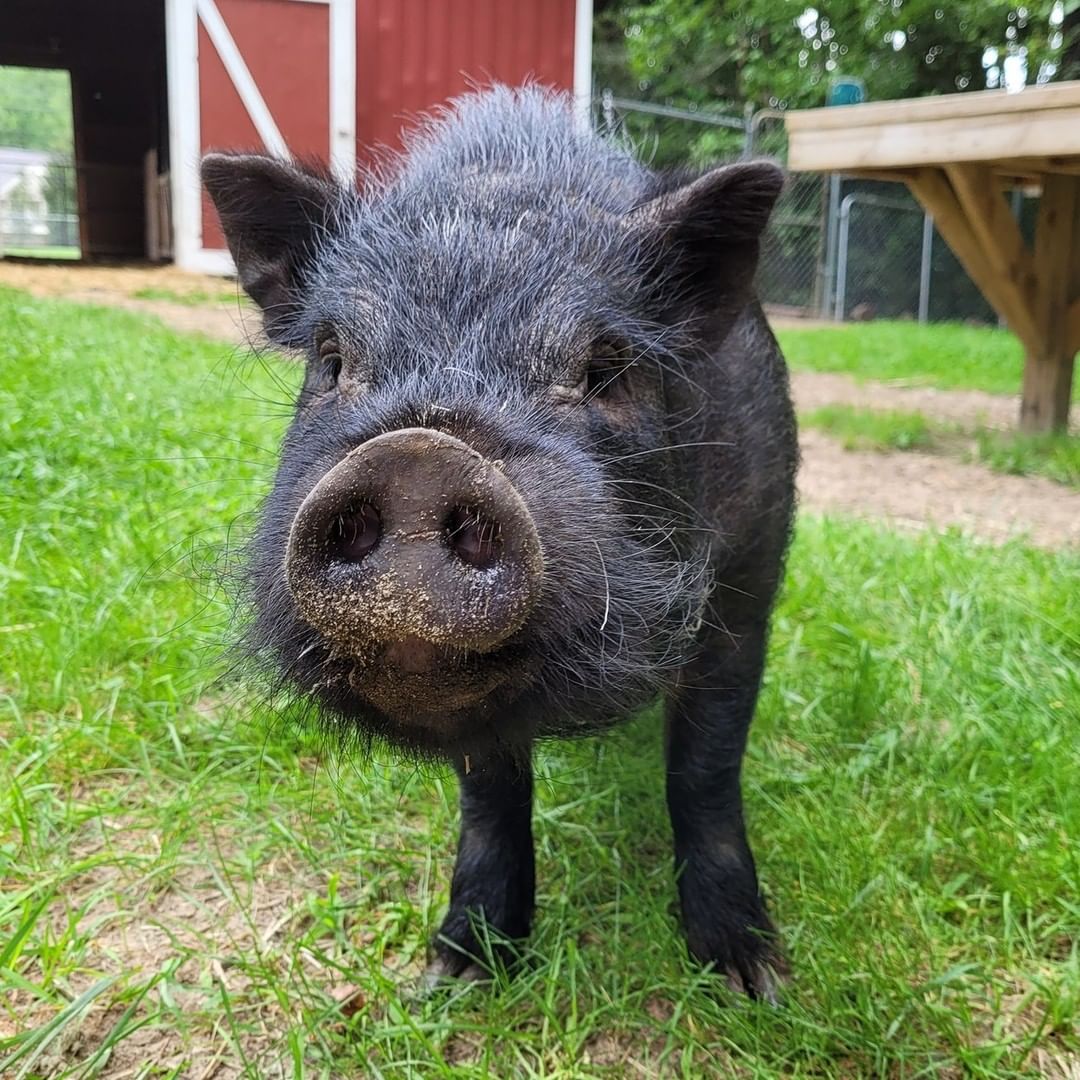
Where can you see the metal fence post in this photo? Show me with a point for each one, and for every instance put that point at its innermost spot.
(844, 245)
(831, 237)
(1017, 204)
(924, 268)
(844, 232)
(753, 126)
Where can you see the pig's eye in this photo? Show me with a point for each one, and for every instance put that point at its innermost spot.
(330, 360)
(604, 379)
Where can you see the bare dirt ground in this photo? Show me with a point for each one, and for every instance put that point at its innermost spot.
(214, 306)
(909, 489)
(913, 490)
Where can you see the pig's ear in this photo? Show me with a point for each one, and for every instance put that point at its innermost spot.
(274, 216)
(705, 234)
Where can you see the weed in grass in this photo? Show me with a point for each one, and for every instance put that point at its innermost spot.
(191, 884)
(1055, 456)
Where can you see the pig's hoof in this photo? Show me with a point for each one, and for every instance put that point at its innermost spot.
(746, 957)
(450, 970)
(456, 966)
(759, 979)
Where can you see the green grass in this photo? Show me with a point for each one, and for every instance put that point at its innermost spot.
(871, 429)
(186, 878)
(194, 298)
(945, 355)
(54, 252)
(1055, 456)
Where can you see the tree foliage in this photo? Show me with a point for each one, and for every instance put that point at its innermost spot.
(783, 53)
(35, 109)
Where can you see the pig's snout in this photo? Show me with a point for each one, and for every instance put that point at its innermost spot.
(414, 540)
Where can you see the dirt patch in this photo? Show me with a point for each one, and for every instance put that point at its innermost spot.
(221, 320)
(189, 303)
(210, 930)
(1056, 1066)
(781, 318)
(916, 490)
(50, 279)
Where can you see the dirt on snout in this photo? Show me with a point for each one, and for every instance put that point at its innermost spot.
(911, 490)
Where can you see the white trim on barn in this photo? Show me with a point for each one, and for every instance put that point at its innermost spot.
(182, 60)
(242, 80)
(182, 64)
(343, 89)
(209, 261)
(583, 45)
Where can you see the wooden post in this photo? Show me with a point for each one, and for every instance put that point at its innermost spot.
(1048, 370)
(150, 195)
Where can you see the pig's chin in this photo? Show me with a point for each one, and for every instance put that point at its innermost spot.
(437, 688)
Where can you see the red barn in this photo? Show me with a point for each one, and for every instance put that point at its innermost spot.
(157, 82)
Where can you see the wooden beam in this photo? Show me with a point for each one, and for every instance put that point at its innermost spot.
(1073, 317)
(151, 191)
(892, 176)
(1048, 371)
(1039, 133)
(972, 106)
(1037, 167)
(937, 196)
(995, 227)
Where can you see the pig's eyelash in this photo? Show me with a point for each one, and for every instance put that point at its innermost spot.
(328, 355)
(608, 359)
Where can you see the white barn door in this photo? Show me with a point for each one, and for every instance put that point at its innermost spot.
(272, 75)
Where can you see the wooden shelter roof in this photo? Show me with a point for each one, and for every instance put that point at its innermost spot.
(1020, 135)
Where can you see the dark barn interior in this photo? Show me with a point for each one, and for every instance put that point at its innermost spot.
(115, 53)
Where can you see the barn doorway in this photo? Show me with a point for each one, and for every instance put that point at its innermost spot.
(114, 192)
(39, 215)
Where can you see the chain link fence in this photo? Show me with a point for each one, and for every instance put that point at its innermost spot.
(38, 204)
(838, 247)
(793, 272)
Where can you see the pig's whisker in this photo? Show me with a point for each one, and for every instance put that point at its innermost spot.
(663, 450)
(607, 589)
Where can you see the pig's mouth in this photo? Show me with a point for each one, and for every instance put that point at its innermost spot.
(438, 686)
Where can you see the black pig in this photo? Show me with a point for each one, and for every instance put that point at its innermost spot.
(540, 473)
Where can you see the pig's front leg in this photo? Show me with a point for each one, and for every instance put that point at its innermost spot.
(722, 909)
(494, 876)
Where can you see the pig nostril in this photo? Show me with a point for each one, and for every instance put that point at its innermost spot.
(414, 555)
(474, 539)
(354, 532)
